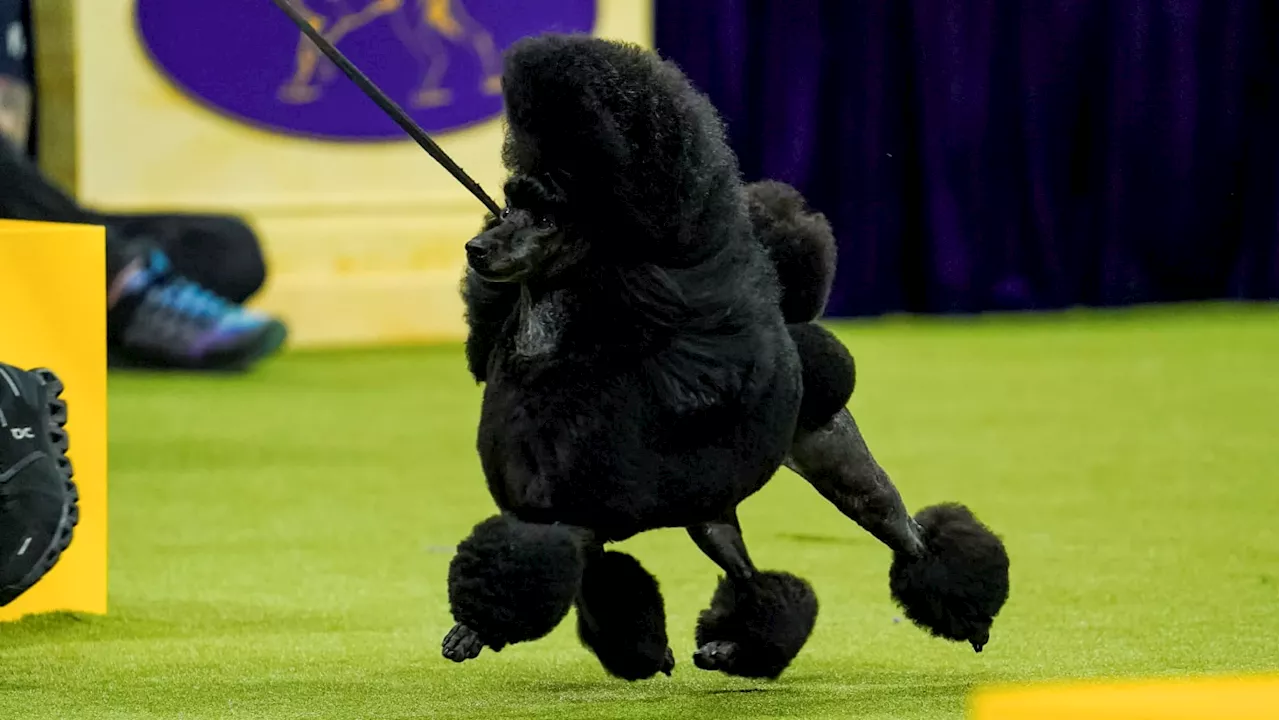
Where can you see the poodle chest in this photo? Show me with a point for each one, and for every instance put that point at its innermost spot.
(597, 456)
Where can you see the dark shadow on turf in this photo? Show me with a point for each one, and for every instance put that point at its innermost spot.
(820, 539)
(731, 691)
(45, 628)
(168, 621)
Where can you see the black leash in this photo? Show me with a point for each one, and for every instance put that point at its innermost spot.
(388, 105)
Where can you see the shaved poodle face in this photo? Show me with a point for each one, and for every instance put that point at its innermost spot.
(527, 242)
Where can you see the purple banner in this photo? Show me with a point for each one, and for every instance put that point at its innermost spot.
(438, 59)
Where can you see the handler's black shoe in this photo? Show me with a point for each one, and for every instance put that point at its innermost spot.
(38, 502)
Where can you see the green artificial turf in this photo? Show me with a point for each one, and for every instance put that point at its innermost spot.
(279, 542)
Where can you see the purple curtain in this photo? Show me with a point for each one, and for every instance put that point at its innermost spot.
(1008, 154)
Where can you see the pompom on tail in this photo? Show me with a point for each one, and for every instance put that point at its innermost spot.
(956, 589)
(800, 243)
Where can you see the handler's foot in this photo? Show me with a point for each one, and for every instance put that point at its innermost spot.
(160, 320)
(38, 502)
(462, 644)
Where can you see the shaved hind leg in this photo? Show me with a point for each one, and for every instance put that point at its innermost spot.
(829, 452)
(836, 461)
(950, 573)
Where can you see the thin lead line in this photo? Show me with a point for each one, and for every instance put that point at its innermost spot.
(388, 105)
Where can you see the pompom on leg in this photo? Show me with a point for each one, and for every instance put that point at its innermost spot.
(959, 583)
(511, 582)
(756, 627)
(621, 618)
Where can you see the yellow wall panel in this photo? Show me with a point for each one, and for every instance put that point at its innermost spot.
(53, 280)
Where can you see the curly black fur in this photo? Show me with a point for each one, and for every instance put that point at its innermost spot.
(801, 245)
(512, 581)
(639, 152)
(960, 584)
(489, 305)
(769, 619)
(621, 617)
(670, 389)
(628, 314)
(828, 371)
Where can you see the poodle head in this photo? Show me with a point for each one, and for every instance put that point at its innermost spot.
(531, 240)
(635, 155)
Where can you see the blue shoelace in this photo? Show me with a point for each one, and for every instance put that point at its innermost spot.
(190, 300)
(182, 296)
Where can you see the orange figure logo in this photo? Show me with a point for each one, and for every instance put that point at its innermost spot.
(428, 29)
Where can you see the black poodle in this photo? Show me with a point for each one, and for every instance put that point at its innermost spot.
(643, 324)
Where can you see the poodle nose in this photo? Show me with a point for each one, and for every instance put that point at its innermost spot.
(476, 251)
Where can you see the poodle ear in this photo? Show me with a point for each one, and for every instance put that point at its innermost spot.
(488, 306)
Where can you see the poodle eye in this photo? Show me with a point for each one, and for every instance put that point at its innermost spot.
(545, 221)
(506, 211)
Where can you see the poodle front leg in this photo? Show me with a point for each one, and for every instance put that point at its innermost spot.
(758, 621)
(461, 644)
(950, 573)
(510, 582)
(621, 617)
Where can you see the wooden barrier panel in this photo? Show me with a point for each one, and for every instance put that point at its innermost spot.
(1231, 698)
(198, 105)
(53, 289)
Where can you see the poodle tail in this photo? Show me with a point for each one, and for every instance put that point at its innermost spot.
(801, 245)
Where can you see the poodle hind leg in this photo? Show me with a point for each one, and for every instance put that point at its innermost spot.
(621, 617)
(758, 620)
(950, 573)
(511, 582)
(829, 452)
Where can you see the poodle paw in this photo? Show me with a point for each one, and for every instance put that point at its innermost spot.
(462, 644)
(961, 582)
(718, 655)
(668, 663)
(755, 628)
